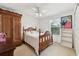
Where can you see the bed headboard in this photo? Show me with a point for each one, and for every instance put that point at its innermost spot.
(29, 29)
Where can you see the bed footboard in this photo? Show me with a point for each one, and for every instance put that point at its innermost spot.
(45, 40)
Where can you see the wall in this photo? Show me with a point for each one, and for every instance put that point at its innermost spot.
(45, 23)
(28, 21)
(76, 31)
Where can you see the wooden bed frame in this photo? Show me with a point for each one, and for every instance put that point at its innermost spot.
(44, 40)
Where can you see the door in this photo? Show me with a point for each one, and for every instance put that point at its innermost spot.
(16, 29)
(7, 25)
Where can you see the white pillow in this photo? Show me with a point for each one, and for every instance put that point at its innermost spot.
(42, 33)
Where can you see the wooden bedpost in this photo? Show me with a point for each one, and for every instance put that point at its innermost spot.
(23, 35)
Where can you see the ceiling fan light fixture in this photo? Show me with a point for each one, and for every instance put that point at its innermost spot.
(37, 11)
(38, 14)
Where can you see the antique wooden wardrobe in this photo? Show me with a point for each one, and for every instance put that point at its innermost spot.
(10, 23)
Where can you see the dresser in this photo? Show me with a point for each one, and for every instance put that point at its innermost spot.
(10, 23)
(7, 48)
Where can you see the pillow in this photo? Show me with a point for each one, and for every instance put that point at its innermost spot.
(42, 33)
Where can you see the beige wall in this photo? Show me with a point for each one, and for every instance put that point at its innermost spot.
(76, 31)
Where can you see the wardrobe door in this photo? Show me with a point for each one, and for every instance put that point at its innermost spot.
(16, 29)
(7, 25)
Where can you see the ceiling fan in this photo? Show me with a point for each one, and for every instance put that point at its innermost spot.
(38, 11)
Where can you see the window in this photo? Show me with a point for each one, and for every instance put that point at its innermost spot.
(55, 30)
(55, 27)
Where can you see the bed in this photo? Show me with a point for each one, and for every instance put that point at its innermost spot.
(39, 41)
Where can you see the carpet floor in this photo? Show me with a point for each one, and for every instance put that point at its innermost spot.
(52, 50)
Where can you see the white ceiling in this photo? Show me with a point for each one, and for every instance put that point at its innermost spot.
(46, 8)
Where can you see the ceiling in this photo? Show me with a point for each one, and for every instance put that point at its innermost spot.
(46, 9)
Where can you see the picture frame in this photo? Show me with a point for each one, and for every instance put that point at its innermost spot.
(66, 22)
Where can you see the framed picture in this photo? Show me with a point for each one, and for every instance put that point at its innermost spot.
(66, 22)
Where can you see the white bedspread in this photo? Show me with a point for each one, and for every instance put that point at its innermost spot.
(32, 38)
